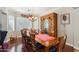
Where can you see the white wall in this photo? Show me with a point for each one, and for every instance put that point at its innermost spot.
(76, 27)
(72, 29)
(3, 22)
(0, 21)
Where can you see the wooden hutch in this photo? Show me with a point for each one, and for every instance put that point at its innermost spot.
(52, 23)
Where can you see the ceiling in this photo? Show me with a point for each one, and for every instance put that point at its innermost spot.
(37, 11)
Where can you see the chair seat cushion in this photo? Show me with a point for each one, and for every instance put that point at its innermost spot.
(53, 49)
(38, 45)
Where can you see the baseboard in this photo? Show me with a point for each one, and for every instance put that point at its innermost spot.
(76, 48)
(69, 44)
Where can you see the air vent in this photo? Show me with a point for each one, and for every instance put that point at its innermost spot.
(75, 7)
(3, 13)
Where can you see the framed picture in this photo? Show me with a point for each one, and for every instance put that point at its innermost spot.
(65, 18)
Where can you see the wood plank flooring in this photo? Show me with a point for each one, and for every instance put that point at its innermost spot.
(19, 42)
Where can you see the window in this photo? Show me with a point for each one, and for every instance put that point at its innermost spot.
(22, 22)
(11, 23)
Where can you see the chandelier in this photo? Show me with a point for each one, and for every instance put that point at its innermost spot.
(29, 16)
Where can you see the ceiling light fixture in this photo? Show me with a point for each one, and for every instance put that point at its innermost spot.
(29, 16)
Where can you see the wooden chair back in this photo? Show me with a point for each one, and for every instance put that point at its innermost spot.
(28, 41)
(62, 42)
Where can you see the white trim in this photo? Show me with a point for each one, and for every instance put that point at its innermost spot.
(77, 48)
(69, 44)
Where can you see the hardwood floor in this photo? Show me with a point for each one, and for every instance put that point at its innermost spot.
(19, 42)
(68, 49)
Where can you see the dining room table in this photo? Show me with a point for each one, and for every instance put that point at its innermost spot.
(46, 40)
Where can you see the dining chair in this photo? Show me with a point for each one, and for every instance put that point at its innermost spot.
(53, 49)
(40, 47)
(26, 41)
(32, 37)
(62, 42)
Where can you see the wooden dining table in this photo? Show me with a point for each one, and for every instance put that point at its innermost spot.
(46, 40)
